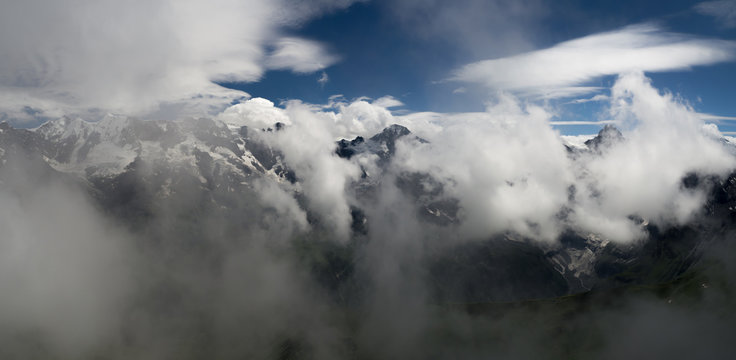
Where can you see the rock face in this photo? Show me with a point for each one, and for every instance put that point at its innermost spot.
(383, 144)
(608, 136)
(200, 168)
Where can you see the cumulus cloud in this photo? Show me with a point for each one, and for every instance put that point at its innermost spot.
(361, 117)
(308, 147)
(387, 102)
(307, 144)
(560, 71)
(506, 166)
(665, 141)
(509, 169)
(67, 57)
(257, 113)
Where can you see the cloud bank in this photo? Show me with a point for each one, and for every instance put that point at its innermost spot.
(510, 170)
(64, 57)
(508, 166)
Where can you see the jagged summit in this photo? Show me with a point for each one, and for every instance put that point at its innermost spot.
(382, 144)
(392, 132)
(606, 137)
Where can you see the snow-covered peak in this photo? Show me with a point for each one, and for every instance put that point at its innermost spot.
(108, 146)
(576, 141)
(606, 137)
(64, 127)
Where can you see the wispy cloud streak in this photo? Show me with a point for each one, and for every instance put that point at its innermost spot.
(560, 71)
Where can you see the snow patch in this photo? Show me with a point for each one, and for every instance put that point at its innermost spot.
(576, 141)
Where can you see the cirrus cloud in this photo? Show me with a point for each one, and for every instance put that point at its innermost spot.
(723, 10)
(559, 71)
(299, 55)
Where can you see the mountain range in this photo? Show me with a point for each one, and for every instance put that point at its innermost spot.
(133, 167)
(190, 191)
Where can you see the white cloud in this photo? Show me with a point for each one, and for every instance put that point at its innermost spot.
(138, 57)
(508, 168)
(716, 118)
(297, 11)
(559, 92)
(387, 102)
(665, 140)
(724, 11)
(323, 79)
(581, 122)
(258, 113)
(308, 146)
(596, 98)
(299, 55)
(128, 56)
(285, 205)
(361, 118)
(65, 270)
(560, 70)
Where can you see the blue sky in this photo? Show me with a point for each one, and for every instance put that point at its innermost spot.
(385, 49)
(164, 59)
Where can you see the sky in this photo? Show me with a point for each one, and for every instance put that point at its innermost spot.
(165, 59)
(413, 51)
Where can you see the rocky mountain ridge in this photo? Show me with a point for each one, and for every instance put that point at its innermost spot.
(134, 167)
